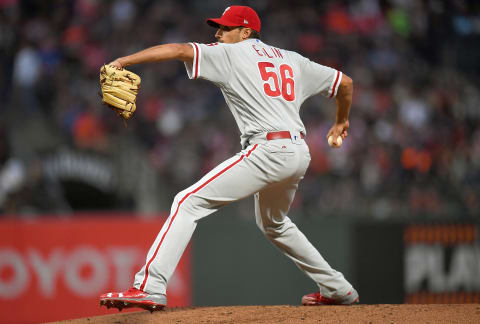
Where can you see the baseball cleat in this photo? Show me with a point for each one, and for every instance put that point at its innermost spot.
(134, 297)
(317, 299)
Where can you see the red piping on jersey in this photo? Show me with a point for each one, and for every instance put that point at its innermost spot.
(178, 207)
(335, 84)
(195, 74)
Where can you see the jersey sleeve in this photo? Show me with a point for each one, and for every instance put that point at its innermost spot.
(210, 62)
(317, 78)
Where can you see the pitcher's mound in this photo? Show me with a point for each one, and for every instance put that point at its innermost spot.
(446, 313)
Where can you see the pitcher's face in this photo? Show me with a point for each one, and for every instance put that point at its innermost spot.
(229, 35)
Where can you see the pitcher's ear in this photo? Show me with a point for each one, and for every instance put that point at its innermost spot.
(246, 32)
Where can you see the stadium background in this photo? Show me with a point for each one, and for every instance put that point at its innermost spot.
(395, 208)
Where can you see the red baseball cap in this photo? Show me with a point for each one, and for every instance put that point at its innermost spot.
(235, 16)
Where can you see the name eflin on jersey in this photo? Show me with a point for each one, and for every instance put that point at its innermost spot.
(275, 52)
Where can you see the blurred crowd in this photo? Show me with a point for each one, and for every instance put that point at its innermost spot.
(414, 144)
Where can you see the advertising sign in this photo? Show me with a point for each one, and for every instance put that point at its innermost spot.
(442, 264)
(56, 269)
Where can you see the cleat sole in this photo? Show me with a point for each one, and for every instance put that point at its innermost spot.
(120, 305)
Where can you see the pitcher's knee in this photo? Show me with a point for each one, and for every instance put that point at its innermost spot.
(179, 196)
(276, 229)
(191, 204)
(177, 201)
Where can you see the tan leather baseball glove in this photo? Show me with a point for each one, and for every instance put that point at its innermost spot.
(119, 90)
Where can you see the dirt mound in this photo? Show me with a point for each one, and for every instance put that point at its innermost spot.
(446, 313)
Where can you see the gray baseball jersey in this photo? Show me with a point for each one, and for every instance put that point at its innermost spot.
(264, 88)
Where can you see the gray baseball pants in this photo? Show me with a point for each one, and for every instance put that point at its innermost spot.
(269, 170)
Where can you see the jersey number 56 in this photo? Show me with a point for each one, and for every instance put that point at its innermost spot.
(286, 75)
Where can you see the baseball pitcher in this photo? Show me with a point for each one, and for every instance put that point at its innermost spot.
(264, 87)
